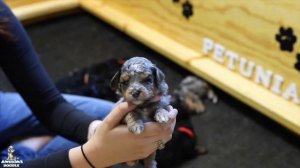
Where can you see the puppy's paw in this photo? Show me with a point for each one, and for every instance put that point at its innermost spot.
(161, 116)
(136, 128)
(215, 99)
(212, 96)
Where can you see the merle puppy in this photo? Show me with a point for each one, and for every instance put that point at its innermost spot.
(191, 93)
(141, 83)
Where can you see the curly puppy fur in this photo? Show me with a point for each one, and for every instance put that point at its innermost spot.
(191, 93)
(141, 83)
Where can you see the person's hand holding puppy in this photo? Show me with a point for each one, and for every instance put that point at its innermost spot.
(112, 143)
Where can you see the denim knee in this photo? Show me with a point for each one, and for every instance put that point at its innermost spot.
(91, 106)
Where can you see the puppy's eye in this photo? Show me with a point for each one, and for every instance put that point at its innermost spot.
(124, 83)
(148, 80)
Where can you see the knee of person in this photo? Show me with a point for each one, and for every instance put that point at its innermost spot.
(91, 106)
(98, 108)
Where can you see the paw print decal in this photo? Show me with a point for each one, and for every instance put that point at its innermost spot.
(187, 9)
(286, 39)
(297, 64)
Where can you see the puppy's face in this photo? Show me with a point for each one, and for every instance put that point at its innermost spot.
(139, 81)
(191, 92)
(11, 149)
(137, 87)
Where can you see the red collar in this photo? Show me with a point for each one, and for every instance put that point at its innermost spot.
(186, 130)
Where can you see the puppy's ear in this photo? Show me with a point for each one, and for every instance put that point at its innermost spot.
(114, 83)
(159, 80)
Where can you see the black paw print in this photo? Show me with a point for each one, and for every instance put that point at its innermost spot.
(286, 38)
(187, 9)
(297, 65)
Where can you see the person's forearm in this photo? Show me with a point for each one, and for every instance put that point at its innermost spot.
(58, 159)
(76, 158)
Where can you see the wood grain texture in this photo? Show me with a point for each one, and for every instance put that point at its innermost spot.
(27, 10)
(245, 27)
(20, 3)
(156, 40)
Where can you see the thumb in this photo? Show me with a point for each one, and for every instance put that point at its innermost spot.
(117, 114)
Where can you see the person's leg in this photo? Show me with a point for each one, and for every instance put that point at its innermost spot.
(16, 118)
(95, 107)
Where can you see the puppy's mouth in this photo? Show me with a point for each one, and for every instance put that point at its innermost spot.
(135, 100)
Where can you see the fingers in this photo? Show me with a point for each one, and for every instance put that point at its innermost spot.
(152, 129)
(155, 131)
(117, 114)
(173, 113)
(131, 163)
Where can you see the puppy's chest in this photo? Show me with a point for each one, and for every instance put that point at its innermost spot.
(146, 113)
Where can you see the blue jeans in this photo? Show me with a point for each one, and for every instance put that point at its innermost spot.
(16, 119)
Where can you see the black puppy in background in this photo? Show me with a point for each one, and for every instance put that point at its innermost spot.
(92, 81)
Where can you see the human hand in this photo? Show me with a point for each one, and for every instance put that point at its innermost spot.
(113, 143)
(165, 128)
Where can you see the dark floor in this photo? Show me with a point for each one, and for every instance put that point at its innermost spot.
(236, 135)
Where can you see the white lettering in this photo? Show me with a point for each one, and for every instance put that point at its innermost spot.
(219, 53)
(11, 165)
(291, 92)
(247, 73)
(233, 57)
(208, 45)
(278, 80)
(263, 76)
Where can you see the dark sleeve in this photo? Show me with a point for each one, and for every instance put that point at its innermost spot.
(22, 66)
(55, 160)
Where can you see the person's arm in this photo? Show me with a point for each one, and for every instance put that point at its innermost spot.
(22, 66)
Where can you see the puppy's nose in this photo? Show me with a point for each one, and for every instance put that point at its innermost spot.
(136, 93)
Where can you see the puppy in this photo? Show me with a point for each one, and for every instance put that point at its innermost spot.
(141, 83)
(187, 99)
(191, 92)
(92, 80)
(11, 151)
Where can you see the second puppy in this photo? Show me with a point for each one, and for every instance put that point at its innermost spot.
(141, 83)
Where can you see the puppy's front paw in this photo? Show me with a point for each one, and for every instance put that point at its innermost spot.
(136, 128)
(161, 116)
(215, 99)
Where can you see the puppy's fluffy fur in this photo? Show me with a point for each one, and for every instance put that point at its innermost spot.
(141, 83)
(191, 92)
